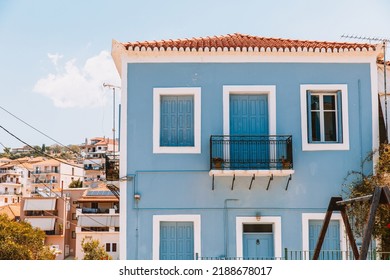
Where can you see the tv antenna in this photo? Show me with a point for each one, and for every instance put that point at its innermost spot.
(384, 42)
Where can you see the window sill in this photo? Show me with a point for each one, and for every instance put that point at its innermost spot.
(325, 147)
(176, 150)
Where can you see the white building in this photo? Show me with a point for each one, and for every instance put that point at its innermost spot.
(98, 219)
(14, 182)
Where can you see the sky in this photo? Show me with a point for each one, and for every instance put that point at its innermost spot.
(55, 56)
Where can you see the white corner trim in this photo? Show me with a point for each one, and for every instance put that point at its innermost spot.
(306, 146)
(276, 222)
(306, 217)
(157, 219)
(270, 90)
(157, 93)
(375, 112)
(123, 185)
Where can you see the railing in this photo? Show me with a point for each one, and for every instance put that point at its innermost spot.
(45, 171)
(244, 152)
(93, 168)
(112, 167)
(86, 210)
(308, 255)
(45, 182)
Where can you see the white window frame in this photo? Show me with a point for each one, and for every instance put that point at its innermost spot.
(192, 91)
(325, 146)
(307, 217)
(276, 222)
(157, 219)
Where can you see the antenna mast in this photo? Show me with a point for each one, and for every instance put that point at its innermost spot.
(384, 43)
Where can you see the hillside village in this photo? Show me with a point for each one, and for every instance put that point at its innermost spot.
(64, 191)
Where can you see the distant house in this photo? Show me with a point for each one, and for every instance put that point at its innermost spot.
(48, 202)
(22, 150)
(56, 215)
(98, 219)
(95, 152)
(14, 182)
(53, 174)
(232, 146)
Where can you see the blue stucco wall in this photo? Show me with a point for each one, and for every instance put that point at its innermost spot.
(180, 183)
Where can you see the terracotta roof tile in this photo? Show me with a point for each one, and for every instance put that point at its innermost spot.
(242, 41)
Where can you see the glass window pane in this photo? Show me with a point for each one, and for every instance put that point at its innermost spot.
(315, 126)
(330, 126)
(315, 102)
(329, 102)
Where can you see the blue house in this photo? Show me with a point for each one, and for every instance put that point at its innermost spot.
(232, 146)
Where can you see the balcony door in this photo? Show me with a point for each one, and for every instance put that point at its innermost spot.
(249, 117)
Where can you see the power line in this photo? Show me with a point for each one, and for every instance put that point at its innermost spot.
(34, 128)
(29, 125)
(37, 150)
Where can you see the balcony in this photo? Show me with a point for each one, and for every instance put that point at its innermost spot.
(254, 155)
(45, 182)
(45, 171)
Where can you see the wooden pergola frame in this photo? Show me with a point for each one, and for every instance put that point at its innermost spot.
(381, 195)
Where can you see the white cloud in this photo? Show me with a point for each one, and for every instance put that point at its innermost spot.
(79, 86)
(54, 58)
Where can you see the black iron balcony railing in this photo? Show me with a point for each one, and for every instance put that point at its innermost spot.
(254, 152)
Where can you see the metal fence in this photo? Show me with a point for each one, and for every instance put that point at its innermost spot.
(308, 255)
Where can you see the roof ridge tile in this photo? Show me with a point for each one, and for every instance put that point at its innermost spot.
(245, 41)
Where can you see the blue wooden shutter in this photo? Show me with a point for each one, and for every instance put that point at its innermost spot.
(185, 123)
(168, 241)
(339, 118)
(177, 121)
(168, 133)
(331, 246)
(176, 241)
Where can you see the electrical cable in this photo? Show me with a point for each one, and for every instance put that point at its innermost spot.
(29, 125)
(39, 151)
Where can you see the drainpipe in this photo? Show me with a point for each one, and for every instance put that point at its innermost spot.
(226, 224)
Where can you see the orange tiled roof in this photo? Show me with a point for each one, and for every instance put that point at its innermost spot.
(11, 210)
(242, 41)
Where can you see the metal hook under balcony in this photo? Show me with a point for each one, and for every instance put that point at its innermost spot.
(253, 178)
(269, 181)
(288, 181)
(234, 178)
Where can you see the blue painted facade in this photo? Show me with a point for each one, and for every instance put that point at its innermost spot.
(180, 184)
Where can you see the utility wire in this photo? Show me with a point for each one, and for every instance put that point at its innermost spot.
(35, 128)
(37, 150)
(59, 143)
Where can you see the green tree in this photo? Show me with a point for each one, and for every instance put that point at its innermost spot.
(364, 185)
(94, 251)
(74, 149)
(6, 152)
(56, 149)
(20, 241)
(76, 184)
